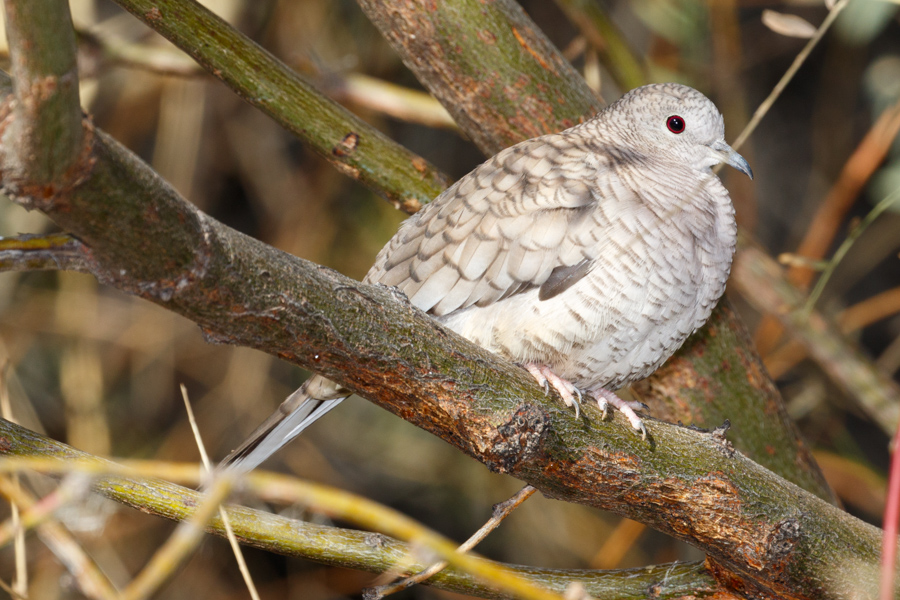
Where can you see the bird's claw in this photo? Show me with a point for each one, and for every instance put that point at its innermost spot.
(604, 407)
(576, 401)
(643, 430)
(573, 397)
(546, 378)
(605, 398)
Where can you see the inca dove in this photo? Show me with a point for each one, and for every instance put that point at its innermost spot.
(587, 256)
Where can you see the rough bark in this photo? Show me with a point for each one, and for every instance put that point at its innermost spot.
(491, 67)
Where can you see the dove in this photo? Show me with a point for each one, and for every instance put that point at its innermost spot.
(587, 256)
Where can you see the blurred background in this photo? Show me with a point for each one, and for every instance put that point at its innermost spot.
(100, 371)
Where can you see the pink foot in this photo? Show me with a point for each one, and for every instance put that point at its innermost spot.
(566, 389)
(605, 398)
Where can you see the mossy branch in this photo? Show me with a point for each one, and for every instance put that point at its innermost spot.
(335, 546)
(42, 128)
(354, 147)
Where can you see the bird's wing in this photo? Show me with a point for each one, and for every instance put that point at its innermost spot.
(526, 218)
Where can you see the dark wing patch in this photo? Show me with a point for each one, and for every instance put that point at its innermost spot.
(563, 277)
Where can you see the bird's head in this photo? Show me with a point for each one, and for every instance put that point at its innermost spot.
(679, 121)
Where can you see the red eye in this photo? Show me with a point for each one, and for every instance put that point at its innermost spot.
(675, 124)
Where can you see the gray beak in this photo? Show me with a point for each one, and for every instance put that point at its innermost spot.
(730, 157)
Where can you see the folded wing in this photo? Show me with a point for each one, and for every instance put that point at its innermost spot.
(510, 225)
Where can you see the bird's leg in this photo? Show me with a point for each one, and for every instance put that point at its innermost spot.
(545, 377)
(606, 397)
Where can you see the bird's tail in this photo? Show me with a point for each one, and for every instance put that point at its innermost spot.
(300, 410)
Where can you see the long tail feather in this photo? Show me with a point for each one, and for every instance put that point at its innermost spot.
(296, 413)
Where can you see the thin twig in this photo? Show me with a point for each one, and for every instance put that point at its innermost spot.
(617, 544)
(20, 583)
(371, 515)
(393, 100)
(53, 252)
(91, 580)
(889, 360)
(882, 206)
(71, 489)
(181, 543)
(763, 283)
(857, 171)
(153, 58)
(853, 318)
(789, 74)
(501, 511)
(226, 522)
(12, 593)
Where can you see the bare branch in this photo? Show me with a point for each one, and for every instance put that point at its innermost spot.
(491, 67)
(354, 147)
(56, 252)
(42, 137)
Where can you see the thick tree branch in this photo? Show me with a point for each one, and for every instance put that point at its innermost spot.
(491, 67)
(716, 376)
